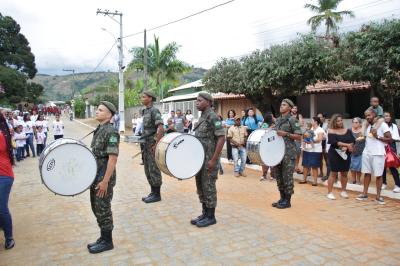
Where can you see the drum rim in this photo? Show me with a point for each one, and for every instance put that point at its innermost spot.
(266, 130)
(65, 195)
(204, 157)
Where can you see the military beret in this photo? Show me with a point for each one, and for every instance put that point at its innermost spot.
(206, 95)
(150, 94)
(109, 106)
(289, 102)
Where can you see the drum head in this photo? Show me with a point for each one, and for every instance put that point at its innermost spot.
(67, 168)
(272, 148)
(185, 156)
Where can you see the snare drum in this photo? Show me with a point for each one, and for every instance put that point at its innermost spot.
(180, 155)
(67, 167)
(264, 146)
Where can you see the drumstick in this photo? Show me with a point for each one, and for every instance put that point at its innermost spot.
(136, 155)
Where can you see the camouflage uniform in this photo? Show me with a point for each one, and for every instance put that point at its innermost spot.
(151, 121)
(283, 172)
(208, 129)
(105, 142)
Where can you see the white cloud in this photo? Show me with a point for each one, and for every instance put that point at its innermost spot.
(67, 34)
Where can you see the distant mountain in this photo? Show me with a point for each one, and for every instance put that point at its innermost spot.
(61, 87)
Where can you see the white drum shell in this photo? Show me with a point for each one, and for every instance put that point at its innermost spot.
(67, 167)
(180, 155)
(264, 146)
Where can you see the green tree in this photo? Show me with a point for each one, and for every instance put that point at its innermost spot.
(79, 107)
(163, 64)
(17, 64)
(373, 55)
(265, 77)
(325, 10)
(15, 52)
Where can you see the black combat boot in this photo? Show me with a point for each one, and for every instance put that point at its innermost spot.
(209, 219)
(275, 204)
(285, 203)
(148, 196)
(97, 241)
(201, 217)
(156, 196)
(104, 244)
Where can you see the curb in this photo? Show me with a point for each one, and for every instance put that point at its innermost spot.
(350, 187)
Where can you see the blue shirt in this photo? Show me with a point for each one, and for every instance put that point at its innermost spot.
(230, 121)
(251, 123)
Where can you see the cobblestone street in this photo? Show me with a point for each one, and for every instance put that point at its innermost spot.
(54, 230)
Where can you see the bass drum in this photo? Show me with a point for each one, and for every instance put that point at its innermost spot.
(264, 146)
(67, 167)
(180, 155)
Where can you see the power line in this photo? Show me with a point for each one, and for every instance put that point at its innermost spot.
(178, 20)
(101, 61)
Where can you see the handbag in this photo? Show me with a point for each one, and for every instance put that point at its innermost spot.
(391, 160)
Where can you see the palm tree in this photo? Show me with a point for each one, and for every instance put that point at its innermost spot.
(162, 64)
(326, 12)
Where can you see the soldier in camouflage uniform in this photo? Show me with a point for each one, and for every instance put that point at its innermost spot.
(152, 133)
(104, 145)
(287, 127)
(210, 132)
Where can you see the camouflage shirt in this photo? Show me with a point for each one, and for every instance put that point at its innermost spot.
(291, 125)
(105, 141)
(208, 129)
(151, 120)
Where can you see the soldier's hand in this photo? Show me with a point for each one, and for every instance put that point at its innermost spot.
(281, 133)
(211, 165)
(101, 189)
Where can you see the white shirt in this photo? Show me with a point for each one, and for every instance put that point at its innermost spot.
(394, 130)
(189, 117)
(20, 139)
(139, 126)
(318, 146)
(41, 137)
(134, 122)
(28, 127)
(43, 124)
(374, 146)
(58, 128)
(34, 118)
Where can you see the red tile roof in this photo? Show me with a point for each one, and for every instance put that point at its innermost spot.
(320, 87)
(332, 87)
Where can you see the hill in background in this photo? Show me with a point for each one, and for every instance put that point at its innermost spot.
(61, 87)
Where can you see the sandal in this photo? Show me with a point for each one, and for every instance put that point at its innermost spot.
(303, 182)
(314, 184)
(299, 172)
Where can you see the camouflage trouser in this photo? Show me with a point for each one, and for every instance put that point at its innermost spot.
(283, 173)
(206, 187)
(151, 170)
(101, 207)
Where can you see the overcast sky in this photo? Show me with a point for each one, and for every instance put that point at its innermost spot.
(68, 34)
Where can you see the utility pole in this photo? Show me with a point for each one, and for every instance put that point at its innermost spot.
(73, 91)
(73, 79)
(145, 61)
(121, 87)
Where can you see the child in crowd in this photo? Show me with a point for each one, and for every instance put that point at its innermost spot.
(170, 126)
(40, 140)
(374, 103)
(308, 137)
(58, 128)
(20, 140)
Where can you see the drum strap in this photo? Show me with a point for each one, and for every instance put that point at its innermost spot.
(88, 134)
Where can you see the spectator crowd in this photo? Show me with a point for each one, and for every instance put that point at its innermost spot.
(328, 151)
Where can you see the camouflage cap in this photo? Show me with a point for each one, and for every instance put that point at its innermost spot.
(109, 106)
(150, 94)
(289, 102)
(206, 95)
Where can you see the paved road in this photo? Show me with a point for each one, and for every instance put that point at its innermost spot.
(54, 230)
